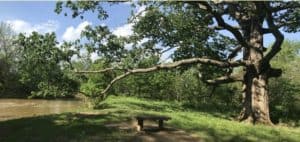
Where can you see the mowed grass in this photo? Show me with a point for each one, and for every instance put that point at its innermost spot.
(91, 125)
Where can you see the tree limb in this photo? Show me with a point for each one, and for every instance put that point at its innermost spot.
(101, 71)
(221, 22)
(276, 33)
(222, 64)
(225, 79)
(234, 52)
(217, 27)
(274, 72)
(166, 50)
(266, 30)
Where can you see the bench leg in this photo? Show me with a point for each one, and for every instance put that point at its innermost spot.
(160, 124)
(141, 124)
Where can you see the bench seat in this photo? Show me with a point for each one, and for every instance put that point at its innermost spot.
(160, 120)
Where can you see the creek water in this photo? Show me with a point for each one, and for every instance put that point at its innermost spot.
(18, 108)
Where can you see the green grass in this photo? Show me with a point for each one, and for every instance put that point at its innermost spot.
(91, 126)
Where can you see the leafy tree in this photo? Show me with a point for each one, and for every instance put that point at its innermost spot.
(153, 85)
(40, 67)
(8, 56)
(285, 90)
(7, 50)
(95, 83)
(191, 28)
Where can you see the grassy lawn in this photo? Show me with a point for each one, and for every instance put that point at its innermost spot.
(92, 125)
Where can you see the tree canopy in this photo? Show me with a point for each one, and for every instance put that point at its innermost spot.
(192, 29)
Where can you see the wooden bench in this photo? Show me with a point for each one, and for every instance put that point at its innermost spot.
(160, 120)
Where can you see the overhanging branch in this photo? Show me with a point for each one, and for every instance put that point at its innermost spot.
(221, 64)
(101, 71)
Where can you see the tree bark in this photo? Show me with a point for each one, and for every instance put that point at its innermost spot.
(255, 99)
(255, 85)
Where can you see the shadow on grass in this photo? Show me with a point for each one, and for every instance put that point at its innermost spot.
(62, 127)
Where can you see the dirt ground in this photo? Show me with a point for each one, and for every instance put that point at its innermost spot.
(151, 133)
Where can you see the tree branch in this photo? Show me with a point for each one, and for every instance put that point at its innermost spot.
(217, 27)
(274, 72)
(266, 30)
(222, 64)
(221, 22)
(234, 52)
(101, 71)
(166, 50)
(276, 33)
(225, 79)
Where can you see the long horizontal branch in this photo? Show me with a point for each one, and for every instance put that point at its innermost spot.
(217, 27)
(225, 79)
(221, 64)
(101, 71)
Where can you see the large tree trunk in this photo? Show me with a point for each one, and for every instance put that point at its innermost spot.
(255, 89)
(255, 99)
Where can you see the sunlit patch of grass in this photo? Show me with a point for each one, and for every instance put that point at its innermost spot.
(204, 124)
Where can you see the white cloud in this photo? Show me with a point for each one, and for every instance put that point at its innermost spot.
(72, 33)
(125, 30)
(141, 10)
(129, 2)
(128, 46)
(94, 56)
(166, 57)
(21, 26)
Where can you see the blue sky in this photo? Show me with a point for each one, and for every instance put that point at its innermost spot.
(40, 16)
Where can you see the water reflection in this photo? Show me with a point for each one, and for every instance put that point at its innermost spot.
(17, 108)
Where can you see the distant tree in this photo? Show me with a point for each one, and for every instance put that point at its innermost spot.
(40, 66)
(7, 50)
(191, 28)
(8, 57)
(285, 90)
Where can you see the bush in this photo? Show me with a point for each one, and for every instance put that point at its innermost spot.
(64, 89)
